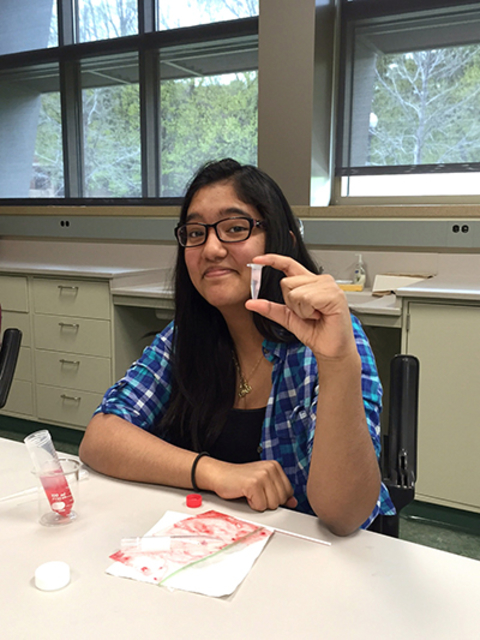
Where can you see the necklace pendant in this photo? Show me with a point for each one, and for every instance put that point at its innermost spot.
(244, 390)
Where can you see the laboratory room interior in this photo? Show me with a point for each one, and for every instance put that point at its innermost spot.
(366, 115)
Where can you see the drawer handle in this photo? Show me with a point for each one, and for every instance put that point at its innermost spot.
(69, 324)
(72, 398)
(69, 287)
(74, 363)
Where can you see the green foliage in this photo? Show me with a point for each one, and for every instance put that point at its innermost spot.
(201, 119)
(112, 141)
(205, 119)
(48, 160)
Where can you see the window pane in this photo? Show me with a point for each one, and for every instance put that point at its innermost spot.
(47, 178)
(411, 101)
(443, 184)
(425, 108)
(111, 127)
(30, 134)
(53, 34)
(208, 108)
(173, 14)
(25, 25)
(206, 119)
(105, 19)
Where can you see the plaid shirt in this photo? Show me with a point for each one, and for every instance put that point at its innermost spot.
(142, 396)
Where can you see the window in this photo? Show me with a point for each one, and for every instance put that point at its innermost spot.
(105, 19)
(30, 132)
(111, 127)
(102, 99)
(186, 13)
(208, 104)
(410, 98)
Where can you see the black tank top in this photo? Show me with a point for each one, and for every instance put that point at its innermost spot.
(240, 439)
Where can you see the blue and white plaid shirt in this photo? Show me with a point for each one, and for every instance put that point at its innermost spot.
(143, 394)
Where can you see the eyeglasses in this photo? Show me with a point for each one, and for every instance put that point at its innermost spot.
(236, 229)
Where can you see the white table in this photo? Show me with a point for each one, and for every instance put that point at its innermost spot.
(363, 586)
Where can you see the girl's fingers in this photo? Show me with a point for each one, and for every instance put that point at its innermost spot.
(272, 310)
(289, 266)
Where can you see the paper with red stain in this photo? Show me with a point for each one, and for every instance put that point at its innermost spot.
(210, 553)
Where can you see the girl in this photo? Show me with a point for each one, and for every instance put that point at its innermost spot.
(276, 399)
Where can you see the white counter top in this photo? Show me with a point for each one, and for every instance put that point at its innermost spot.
(80, 271)
(446, 288)
(143, 291)
(151, 284)
(365, 302)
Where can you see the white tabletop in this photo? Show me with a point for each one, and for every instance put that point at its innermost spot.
(363, 586)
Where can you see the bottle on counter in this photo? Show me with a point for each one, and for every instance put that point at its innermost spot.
(359, 275)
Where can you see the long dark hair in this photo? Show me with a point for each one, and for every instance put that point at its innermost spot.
(203, 372)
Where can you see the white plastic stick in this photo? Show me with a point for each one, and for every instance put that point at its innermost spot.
(285, 532)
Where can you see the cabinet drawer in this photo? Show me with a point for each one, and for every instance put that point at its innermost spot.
(69, 407)
(73, 335)
(72, 298)
(20, 398)
(23, 370)
(13, 293)
(85, 373)
(14, 320)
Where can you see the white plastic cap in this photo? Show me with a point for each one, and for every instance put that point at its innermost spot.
(52, 576)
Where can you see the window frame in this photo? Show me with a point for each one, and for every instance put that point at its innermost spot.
(148, 44)
(363, 11)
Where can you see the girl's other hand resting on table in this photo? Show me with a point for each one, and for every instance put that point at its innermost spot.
(263, 483)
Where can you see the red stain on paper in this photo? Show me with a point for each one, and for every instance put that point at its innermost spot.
(220, 531)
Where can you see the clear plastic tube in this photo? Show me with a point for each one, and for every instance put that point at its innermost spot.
(256, 279)
(50, 472)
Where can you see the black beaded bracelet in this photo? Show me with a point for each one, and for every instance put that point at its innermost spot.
(194, 468)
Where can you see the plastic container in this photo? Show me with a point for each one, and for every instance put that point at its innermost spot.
(256, 279)
(359, 275)
(53, 475)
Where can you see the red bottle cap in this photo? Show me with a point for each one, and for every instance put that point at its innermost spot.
(194, 500)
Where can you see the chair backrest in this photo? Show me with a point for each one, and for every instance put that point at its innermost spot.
(9, 350)
(399, 463)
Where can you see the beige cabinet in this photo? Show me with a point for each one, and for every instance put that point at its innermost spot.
(14, 301)
(73, 351)
(446, 339)
(75, 344)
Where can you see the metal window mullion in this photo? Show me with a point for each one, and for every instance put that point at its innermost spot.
(146, 16)
(67, 22)
(150, 122)
(72, 129)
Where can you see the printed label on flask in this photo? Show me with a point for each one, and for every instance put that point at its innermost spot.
(58, 493)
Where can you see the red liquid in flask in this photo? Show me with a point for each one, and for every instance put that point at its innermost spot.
(58, 493)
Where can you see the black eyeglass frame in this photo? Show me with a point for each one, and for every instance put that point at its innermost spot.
(254, 224)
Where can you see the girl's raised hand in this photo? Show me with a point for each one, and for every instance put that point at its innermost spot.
(315, 309)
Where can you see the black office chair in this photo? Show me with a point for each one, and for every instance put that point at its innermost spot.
(9, 350)
(399, 459)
